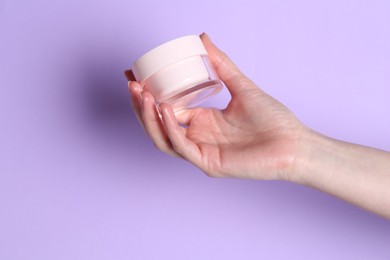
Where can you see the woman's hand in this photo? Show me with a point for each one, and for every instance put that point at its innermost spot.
(257, 137)
(254, 137)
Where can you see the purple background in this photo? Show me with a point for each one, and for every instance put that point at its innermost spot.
(80, 180)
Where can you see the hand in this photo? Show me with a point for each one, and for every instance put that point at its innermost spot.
(257, 137)
(254, 137)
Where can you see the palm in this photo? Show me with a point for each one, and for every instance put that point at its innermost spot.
(238, 142)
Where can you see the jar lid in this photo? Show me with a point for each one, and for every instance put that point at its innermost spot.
(167, 54)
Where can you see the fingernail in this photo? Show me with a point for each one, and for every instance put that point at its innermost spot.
(129, 74)
(205, 35)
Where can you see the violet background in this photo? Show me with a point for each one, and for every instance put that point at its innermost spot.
(80, 180)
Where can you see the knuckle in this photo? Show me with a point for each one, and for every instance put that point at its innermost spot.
(158, 146)
(177, 150)
(211, 173)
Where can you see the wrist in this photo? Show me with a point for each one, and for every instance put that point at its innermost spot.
(316, 154)
(354, 173)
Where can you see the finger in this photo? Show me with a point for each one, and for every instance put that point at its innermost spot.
(129, 75)
(181, 144)
(227, 71)
(184, 116)
(153, 124)
(135, 90)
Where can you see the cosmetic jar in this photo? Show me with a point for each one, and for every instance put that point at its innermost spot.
(178, 72)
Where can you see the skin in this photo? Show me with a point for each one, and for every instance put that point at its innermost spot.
(257, 137)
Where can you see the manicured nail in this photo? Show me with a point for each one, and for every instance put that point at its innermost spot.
(129, 75)
(205, 35)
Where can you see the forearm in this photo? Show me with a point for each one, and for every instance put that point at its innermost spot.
(357, 174)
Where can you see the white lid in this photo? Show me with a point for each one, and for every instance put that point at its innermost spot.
(166, 54)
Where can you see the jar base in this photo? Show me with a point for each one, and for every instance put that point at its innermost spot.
(194, 95)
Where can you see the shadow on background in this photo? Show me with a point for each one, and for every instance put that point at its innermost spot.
(107, 105)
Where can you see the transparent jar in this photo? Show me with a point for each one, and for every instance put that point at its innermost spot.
(178, 72)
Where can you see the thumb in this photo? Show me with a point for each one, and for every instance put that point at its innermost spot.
(227, 71)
